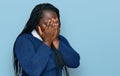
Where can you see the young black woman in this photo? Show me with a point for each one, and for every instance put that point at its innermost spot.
(39, 50)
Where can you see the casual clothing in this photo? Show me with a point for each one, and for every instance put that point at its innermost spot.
(37, 59)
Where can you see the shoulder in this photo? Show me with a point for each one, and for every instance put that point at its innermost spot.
(23, 38)
(61, 37)
(28, 39)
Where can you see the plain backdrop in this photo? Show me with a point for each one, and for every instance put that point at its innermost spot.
(92, 27)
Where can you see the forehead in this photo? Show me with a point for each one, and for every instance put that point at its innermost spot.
(48, 14)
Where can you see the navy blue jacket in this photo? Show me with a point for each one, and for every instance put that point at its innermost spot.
(37, 59)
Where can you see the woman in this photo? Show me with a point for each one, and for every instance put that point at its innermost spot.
(39, 50)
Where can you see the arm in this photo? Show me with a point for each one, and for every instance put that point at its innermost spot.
(69, 55)
(33, 63)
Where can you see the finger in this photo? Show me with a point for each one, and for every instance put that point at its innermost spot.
(40, 31)
(56, 34)
(46, 28)
(52, 22)
(56, 20)
(48, 23)
(58, 31)
(56, 25)
(51, 27)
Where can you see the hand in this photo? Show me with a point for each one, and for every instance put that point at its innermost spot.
(55, 42)
(50, 33)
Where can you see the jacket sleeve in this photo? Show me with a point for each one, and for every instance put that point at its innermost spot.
(33, 63)
(69, 55)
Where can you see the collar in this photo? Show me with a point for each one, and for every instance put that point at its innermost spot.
(35, 34)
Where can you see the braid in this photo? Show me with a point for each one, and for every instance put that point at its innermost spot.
(59, 63)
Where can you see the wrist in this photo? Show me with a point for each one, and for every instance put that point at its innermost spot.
(56, 40)
(56, 43)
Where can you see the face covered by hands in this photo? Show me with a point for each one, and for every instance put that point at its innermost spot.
(49, 28)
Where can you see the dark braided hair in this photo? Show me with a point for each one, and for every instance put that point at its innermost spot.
(33, 21)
